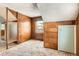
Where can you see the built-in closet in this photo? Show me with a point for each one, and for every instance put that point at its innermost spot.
(17, 30)
(52, 33)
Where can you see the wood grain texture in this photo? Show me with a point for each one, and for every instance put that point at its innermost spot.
(6, 28)
(51, 33)
(22, 21)
(77, 35)
(37, 36)
(24, 32)
(13, 12)
(2, 32)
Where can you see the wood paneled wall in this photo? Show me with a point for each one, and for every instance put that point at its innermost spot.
(51, 33)
(37, 36)
(24, 34)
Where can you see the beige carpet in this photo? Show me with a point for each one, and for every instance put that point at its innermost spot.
(3, 45)
(33, 48)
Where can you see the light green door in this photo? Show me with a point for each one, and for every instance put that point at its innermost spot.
(66, 38)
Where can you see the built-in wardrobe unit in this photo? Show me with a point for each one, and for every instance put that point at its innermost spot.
(24, 28)
(7, 36)
(51, 31)
(18, 30)
(50, 35)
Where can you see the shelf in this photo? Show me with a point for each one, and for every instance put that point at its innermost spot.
(11, 40)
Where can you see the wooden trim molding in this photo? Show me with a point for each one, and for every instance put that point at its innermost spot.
(8, 41)
(6, 27)
(77, 35)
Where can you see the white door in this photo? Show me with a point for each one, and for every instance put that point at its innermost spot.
(66, 38)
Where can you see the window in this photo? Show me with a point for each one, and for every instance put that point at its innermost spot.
(39, 26)
(2, 26)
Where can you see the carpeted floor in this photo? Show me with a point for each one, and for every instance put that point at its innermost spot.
(3, 45)
(33, 48)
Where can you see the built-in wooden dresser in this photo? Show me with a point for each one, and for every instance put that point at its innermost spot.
(50, 35)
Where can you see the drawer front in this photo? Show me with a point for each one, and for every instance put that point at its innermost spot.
(51, 43)
(51, 30)
(51, 35)
(47, 45)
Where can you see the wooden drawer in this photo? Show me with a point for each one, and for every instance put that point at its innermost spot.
(53, 43)
(51, 29)
(2, 32)
(51, 35)
(47, 45)
(50, 42)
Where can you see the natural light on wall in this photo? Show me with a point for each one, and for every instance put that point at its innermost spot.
(39, 27)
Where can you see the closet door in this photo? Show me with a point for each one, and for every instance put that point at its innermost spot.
(12, 32)
(66, 38)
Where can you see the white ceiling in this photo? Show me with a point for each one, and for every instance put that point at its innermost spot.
(49, 11)
(28, 9)
(58, 11)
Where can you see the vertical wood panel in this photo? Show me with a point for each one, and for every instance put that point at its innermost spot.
(17, 27)
(24, 21)
(77, 35)
(50, 35)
